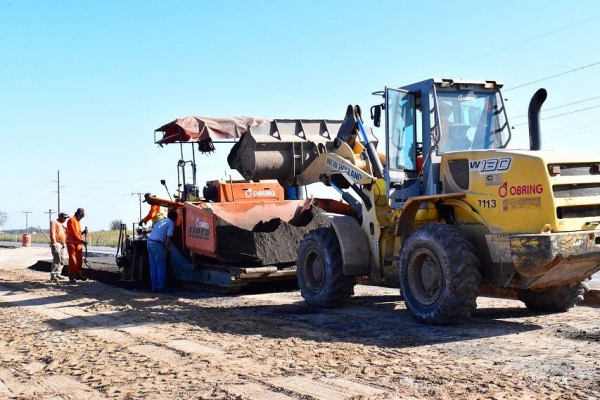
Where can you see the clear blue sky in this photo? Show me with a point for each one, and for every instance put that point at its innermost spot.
(83, 84)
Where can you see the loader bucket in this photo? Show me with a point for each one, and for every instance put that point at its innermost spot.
(282, 149)
(261, 233)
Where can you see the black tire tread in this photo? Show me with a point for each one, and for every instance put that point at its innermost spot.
(460, 298)
(556, 299)
(338, 288)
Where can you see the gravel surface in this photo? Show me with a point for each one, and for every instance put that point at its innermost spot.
(91, 340)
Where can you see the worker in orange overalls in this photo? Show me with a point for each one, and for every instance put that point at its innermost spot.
(156, 212)
(75, 244)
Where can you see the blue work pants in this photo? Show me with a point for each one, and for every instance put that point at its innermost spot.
(158, 266)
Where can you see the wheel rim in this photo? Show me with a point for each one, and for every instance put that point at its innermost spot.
(425, 277)
(314, 271)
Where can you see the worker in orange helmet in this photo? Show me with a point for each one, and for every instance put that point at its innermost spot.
(75, 244)
(156, 212)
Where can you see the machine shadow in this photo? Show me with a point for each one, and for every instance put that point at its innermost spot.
(369, 320)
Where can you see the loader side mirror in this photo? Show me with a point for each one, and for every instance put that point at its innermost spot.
(163, 182)
(376, 114)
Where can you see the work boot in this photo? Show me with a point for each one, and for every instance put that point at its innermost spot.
(60, 278)
(82, 278)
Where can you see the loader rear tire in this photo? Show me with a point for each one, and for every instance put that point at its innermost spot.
(554, 299)
(439, 274)
(319, 270)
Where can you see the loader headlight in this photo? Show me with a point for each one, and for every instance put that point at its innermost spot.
(554, 169)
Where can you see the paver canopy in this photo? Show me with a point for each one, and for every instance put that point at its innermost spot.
(197, 129)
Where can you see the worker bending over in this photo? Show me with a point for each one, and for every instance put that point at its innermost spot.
(58, 245)
(158, 250)
(156, 213)
(75, 244)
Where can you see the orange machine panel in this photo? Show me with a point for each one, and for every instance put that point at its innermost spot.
(243, 191)
(200, 230)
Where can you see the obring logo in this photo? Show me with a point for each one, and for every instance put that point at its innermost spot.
(259, 193)
(520, 190)
(200, 231)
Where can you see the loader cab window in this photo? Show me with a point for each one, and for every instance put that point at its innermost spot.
(470, 120)
(401, 130)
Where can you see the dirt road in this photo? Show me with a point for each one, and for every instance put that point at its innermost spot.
(91, 340)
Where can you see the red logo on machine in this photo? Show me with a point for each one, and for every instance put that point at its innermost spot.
(502, 190)
(520, 190)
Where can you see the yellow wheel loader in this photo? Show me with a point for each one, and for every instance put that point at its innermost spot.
(448, 206)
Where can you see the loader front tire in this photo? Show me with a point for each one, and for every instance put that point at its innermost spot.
(554, 299)
(439, 274)
(319, 270)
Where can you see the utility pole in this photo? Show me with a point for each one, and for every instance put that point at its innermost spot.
(49, 212)
(140, 200)
(26, 220)
(58, 188)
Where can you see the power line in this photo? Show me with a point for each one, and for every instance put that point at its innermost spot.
(514, 45)
(49, 212)
(467, 61)
(572, 134)
(44, 197)
(124, 180)
(560, 136)
(567, 113)
(139, 194)
(97, 195)
(26, 220)
(553, 76)
(572, 128)
(111, 206)
(572, 112)
(35, 194)
(108, 189)
(561, 106)
(143, 179)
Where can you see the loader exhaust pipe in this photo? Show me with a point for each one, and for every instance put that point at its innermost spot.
(535, 106)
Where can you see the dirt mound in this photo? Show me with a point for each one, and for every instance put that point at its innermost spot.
(269, 242)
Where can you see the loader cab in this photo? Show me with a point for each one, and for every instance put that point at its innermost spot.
(427, 119)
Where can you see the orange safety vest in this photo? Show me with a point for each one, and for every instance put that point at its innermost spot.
(156, 214)
(74, 231)
(57, 232)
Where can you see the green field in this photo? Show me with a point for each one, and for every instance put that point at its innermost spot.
(99, 238)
